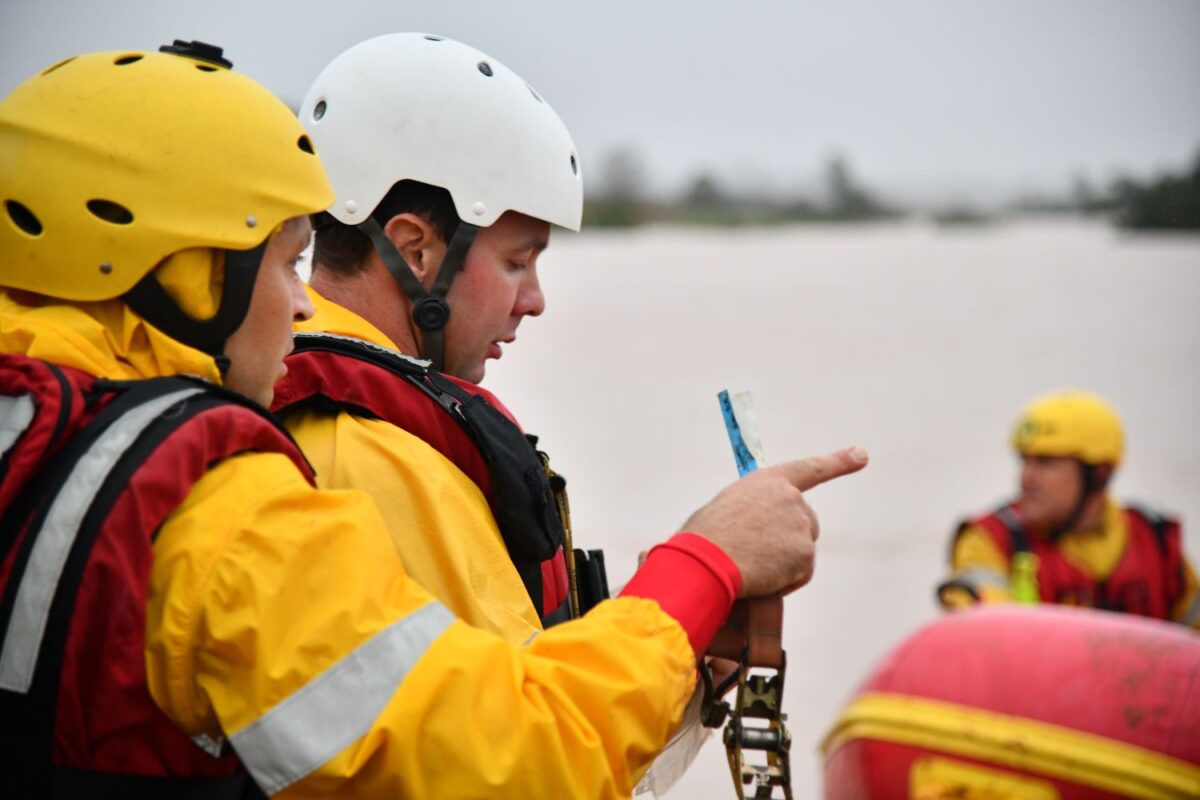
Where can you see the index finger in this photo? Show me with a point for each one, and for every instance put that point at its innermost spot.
(815, 470)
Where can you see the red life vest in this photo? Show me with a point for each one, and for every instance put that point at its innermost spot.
(1147, 581)
(468, 426)
(89, 470)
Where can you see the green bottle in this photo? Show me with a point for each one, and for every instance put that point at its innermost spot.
(1023, 579)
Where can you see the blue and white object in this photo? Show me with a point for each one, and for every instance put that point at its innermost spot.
(742, 427)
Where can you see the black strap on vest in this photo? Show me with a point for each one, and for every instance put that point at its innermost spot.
(592, 578)
(75, 784)
(27, 719)
(1016, 531)
(1158, 523)
(1161, 525)
(522, 502)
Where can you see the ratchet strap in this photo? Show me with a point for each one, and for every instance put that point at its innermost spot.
(752, 637)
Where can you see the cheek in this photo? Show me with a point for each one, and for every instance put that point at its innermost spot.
(270, 317)
(1061, 486)
(488, 293)
(1073, 485)
(281, 306)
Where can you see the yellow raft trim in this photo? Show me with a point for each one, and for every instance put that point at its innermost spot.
(1038, 747)
(937, 778)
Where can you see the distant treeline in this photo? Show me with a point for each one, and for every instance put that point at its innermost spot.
(621, 200)
(1171, 201)
(1167, 202)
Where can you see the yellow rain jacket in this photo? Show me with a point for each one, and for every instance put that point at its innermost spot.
(418, 490)
(280, 618)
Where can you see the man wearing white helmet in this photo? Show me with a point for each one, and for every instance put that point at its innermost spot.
(449, 172)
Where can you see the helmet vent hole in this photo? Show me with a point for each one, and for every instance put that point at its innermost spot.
(62, 63)
(319, 110)
(132, 58)
(574, 165)
(485, 68)
(432, 38)
(305, 144)
(109, 211)
(23, 218)
(205, 68)
(536, 96)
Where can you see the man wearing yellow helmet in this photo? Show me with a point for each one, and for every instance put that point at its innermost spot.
(1064, 540)
(182, 613)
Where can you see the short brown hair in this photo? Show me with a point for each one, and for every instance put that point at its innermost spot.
(343, 249)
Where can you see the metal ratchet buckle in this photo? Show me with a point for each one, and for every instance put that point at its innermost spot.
(759, 697)
(752, 636)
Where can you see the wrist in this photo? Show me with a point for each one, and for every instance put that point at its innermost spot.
(693, 580)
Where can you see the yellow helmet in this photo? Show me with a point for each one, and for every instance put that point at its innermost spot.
(111, 162)
(1076, 424)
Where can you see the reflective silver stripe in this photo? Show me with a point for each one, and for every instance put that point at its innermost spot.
(378, 348)
(214, 747)
(326, 715)
(15, 415)
(27, 625)
(980, 577)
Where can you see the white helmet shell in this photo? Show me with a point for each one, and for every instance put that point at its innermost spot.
(425, 108)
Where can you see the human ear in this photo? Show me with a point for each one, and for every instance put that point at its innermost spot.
(417, 242)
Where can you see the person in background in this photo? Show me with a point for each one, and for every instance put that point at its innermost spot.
(1065, 539)
(182, 612)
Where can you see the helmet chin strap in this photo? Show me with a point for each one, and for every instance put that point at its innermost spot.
(430, 311)
(1094, 480)
(151, 302)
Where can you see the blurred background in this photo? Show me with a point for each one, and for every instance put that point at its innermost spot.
(894, 222)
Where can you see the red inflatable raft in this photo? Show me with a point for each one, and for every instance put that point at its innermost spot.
(1041, 702)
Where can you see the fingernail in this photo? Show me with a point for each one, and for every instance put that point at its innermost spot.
(858, 455)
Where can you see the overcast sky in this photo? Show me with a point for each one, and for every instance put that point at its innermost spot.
(931, 101)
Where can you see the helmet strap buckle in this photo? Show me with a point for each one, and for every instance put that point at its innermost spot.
(430, 310)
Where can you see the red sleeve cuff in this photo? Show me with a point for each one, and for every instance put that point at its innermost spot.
(691, 579)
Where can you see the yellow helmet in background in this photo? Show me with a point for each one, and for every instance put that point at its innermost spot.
(1076, 424)
(111, 162)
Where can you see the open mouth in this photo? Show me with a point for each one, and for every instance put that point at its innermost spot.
(495, 350)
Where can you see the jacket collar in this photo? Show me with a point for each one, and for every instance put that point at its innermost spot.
(329, 317)
(105, 339)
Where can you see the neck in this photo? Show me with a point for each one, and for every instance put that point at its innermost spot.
(373, 295)
(1092, 517)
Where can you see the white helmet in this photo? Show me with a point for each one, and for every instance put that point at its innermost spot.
(425, 108)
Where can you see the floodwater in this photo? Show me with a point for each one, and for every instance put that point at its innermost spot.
(920, 344)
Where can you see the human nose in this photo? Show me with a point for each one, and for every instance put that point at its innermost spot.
(1028, 473)
(530, 300)
(302, 307)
